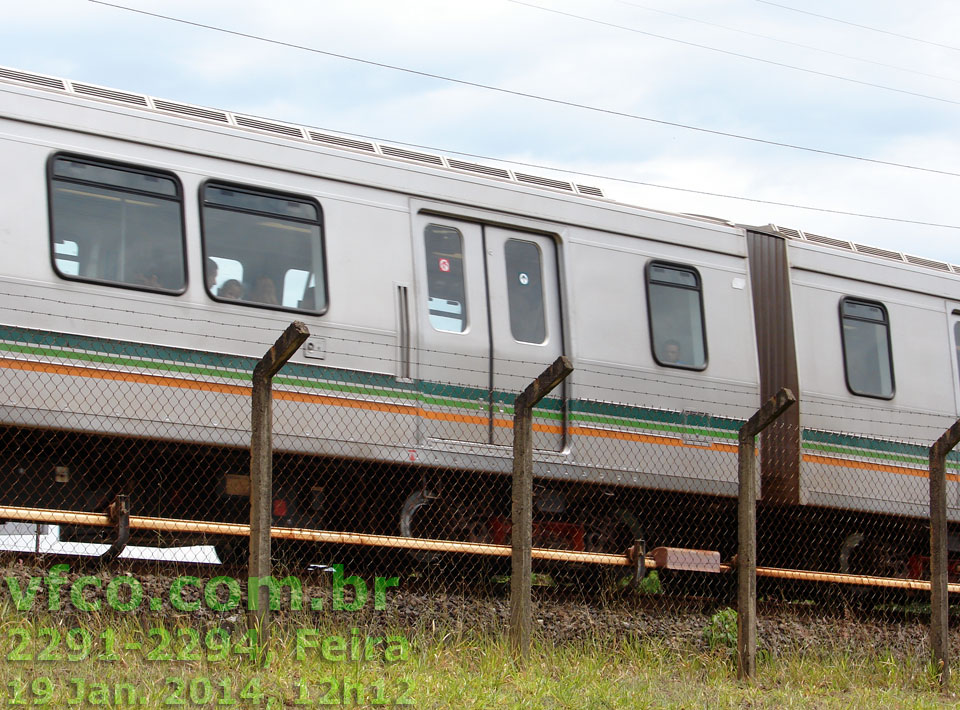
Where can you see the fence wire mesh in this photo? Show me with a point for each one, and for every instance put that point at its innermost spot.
(635, 475)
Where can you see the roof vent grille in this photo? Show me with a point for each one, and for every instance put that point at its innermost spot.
(877, 251)
(545, 182)
(268, 126)
(293, 131)
(787, 232)
(342, 142)
(187, 110)
(477, 168)
(122, 96)
(920, 261)
(829, 241)
(32, 79)
(411, 155)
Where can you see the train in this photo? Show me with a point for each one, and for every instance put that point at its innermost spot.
(157, 249)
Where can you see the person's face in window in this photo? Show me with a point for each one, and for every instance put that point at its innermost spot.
(671, 353)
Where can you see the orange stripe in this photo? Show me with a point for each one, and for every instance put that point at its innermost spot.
(160, 381)
(508, 424)
(867, 466)
(625, 436)
(344, 402)
(113, 375)
(203, 386)
(647, 439)
(458, 418)
(408, 410)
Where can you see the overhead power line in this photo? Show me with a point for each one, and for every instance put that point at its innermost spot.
(788, 42)
(547, 99)
(863, 27)
(733, 54)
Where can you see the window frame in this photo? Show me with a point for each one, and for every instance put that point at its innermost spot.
(703, 315)
(270, 193)
(179, 198)
(843, 344)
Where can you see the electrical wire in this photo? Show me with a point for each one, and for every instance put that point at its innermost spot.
(863, 27)
(771, 62)
(629, 181)
(788, 42)
(546, 99)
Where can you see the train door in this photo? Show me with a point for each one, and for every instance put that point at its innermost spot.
(490, 323)
(525, 327)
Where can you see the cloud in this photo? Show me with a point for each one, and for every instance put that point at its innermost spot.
(522, 49)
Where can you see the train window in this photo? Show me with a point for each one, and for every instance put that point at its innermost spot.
(446, 297)
(267, 248)
(867, 360)
(675, 305)
(525, 291)
(116, 224)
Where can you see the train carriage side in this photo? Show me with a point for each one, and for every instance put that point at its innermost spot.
(667, 372)
(656, 316)
(878, 382)
(103, 343)
(155, 257)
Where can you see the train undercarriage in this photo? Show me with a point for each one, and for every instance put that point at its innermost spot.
(197, 482)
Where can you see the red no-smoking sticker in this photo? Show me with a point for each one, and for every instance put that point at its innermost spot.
(444, 265)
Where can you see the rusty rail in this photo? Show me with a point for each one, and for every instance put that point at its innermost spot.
(140, 522)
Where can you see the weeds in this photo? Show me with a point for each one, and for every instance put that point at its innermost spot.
(447, 667)
(721, 631)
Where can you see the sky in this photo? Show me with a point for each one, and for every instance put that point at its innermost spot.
(755, 68)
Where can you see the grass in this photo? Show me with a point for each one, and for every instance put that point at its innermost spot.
(440, 669)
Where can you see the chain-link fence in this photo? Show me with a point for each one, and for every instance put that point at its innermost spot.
(635, 476)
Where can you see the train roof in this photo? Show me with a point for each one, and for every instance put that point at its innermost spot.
(293, 131)
(865, 249)
(358, 145)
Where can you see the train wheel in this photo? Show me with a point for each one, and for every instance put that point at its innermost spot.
(869, 555)
(422, 516)
(428, 516)
(415, 514)
(862, 553)
(613, 533)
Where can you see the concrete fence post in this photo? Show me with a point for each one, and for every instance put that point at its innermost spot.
(261, 474)
(747, 530)
(521, 537)
(939, 598)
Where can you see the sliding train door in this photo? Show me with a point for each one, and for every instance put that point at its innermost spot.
(526, 330)
(489, 323)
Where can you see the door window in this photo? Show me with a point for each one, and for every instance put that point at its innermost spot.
(525, 291)
(445, 288)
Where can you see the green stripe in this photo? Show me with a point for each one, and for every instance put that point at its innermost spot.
(867, 447)
(120, 352)
(104, 351)
(921, 462)
(654, 426)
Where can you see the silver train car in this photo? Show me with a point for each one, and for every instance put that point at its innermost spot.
(156, 249)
